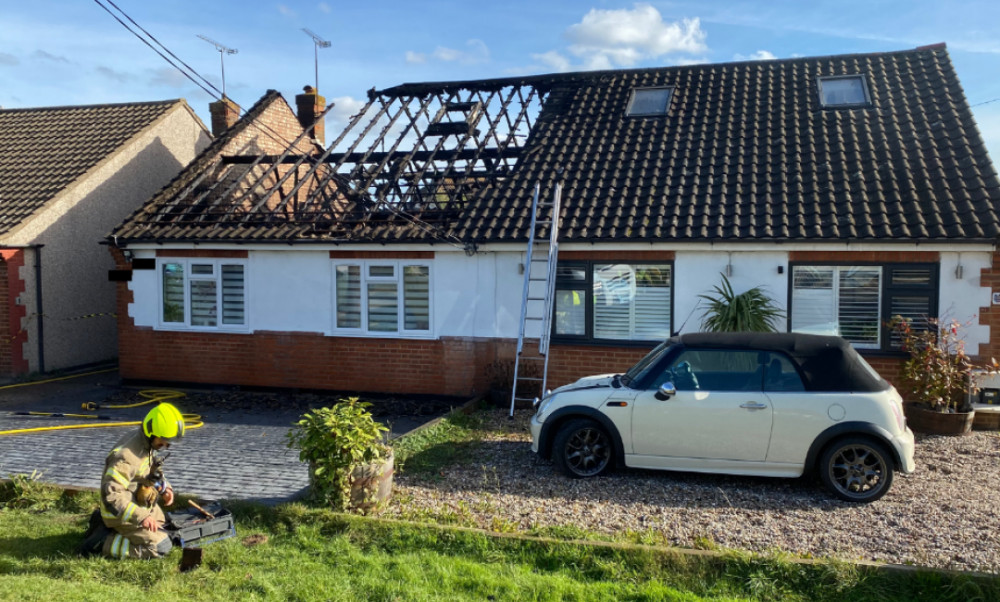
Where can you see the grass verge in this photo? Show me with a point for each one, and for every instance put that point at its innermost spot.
(316, 554)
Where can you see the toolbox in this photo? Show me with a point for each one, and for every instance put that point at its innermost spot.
(189, 527)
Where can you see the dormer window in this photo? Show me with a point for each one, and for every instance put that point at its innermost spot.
(843, 91)
(649, 101)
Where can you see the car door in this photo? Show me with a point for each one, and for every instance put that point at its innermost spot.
(719, 411)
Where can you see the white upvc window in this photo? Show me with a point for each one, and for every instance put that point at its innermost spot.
(382, 298)
(202, 293)
(839, 300)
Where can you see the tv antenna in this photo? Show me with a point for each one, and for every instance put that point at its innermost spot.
(223, 51)
(319, 43)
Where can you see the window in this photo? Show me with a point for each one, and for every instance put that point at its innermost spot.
(203, 293)
(382, 298)
(843, 91)
(856, 302)
(612, 301)
(649, 101)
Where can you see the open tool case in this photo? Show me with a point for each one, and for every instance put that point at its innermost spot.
(189, 527)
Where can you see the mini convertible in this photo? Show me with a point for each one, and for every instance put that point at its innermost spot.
(778, 405)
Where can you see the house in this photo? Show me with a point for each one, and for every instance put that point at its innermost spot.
(853, 188)
(68, 175)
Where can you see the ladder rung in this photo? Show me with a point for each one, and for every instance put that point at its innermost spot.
(536, 299)
(524, 399)
(528, 378)
(533, 358)
(543, 222)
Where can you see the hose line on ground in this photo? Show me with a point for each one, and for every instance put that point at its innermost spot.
(191, 421)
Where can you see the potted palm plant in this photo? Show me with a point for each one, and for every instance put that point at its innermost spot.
(749, 311)
(937, 377)
(350, 464)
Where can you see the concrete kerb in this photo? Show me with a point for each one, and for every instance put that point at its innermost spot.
(466, 408)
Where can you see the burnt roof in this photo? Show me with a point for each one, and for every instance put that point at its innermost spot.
(44, 150)
(745, 152)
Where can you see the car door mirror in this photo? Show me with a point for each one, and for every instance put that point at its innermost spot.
(666, 391)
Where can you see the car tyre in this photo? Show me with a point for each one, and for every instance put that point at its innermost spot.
(856, 469)
(582, 448)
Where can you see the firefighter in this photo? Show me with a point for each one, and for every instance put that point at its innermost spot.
(130, 523)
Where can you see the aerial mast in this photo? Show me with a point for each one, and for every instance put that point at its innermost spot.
(319, 43)
(223, 50)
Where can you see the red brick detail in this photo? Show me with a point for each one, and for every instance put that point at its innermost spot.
(617, 255)
(12, 338)
(867, 256)
(202, 253)
(381, 254)
(990, 315)
(891, 369)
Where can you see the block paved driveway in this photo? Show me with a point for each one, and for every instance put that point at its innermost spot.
(238, 453)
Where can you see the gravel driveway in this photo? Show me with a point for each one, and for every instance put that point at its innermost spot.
(946, 514)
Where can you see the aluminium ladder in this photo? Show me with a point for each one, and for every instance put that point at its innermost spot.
(537, 298)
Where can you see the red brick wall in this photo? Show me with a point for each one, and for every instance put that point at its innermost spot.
(12, 338)
(990, 315)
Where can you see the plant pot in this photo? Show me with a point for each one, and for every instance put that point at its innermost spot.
(930, 422)
(371, 485)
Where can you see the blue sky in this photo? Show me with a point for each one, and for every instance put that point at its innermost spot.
(59, 52)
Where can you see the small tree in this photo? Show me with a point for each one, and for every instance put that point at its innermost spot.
(749, 311)
(938, 373)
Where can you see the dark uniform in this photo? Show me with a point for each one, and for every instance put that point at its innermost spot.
(125, 466)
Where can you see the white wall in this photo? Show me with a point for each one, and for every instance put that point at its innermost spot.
(698, 272)
(480, 296)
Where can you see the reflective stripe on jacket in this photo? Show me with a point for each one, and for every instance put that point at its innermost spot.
(124, 467)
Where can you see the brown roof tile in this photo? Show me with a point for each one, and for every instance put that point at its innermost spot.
(44, 150)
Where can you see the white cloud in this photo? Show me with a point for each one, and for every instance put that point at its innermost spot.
(288, 12)
(553, 60)
(475, 52)
(41, 54)
(118, 76)
(344, 107)
(606, 38)
(760, 55)
(324, 8)
(167, 76)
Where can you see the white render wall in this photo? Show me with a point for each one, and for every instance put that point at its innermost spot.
(291, 290)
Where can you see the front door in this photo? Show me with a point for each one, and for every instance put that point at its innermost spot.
(719, 412)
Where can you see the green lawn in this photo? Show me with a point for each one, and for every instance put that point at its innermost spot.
(315, 554)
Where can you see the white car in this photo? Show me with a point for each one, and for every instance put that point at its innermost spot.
(776, 405)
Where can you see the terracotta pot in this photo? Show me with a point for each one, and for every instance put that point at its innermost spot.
(371, 485)
(923, 420)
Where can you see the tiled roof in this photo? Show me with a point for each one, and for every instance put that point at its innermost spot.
(745, 153)
(44, 150)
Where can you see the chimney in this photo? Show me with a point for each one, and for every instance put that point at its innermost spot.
(310, 104)
(225, 113)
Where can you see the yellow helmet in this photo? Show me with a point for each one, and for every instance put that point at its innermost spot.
(163, 421)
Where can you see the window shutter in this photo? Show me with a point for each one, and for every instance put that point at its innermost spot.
(348, 296)
(204, 303)
(860, 294)
(813, 309)
(416, 298)
(383, 307)
(233, 295)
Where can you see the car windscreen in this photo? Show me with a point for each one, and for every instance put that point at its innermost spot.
(635, 373)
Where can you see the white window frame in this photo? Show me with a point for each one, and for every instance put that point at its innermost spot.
(835, 291)
(864, 87)
(216, 276)
(398, 265)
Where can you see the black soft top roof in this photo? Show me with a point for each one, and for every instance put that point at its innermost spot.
(827, 363)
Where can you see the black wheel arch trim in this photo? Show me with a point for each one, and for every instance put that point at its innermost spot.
(563, 414)
(847, 429)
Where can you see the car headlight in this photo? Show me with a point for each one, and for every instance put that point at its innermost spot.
(543, 407)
